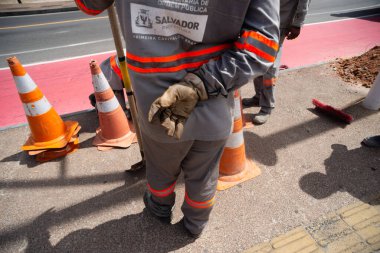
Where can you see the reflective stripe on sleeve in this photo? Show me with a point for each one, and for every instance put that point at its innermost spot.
(261, 38)
(258, 44)
(24, 84)
(199, 205)
(256, 51)
(162, 193)
(37, 108)
(107, 106)
(100, 83)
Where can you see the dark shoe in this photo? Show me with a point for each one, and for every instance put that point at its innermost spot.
(188, 232)
(162, 212)
(249, 102)
(92, 99)
(372, 141)
(261, 117)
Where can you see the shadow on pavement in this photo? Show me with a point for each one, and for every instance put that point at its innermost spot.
(264, 149)
(348, 171)
(133, 233)
(62, 180)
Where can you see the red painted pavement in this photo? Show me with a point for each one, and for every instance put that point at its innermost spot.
(67, 84)
(326, 41)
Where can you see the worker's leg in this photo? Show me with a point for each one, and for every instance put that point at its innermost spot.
(254, 101)
(201, 174)
(162, 169)
(267, 95)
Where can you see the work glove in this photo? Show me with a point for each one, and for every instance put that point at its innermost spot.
(175, 105)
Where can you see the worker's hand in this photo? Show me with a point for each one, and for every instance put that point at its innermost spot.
(175, 105)
(293, 32)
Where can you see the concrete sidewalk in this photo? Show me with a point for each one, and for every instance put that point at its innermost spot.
(27, 7)
(313, 170)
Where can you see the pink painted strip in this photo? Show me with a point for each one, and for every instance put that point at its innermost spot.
(327, 41)
(66, 84)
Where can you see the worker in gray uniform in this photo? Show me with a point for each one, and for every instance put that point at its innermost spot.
(292, 17)
(185, 59)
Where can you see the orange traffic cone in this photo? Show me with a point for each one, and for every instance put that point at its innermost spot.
(114, 130)
(234, 167)
(46, 126)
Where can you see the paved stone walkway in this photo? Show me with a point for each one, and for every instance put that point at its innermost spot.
(354, 228)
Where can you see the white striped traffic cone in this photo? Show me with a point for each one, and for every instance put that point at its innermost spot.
(114, 130)
(234, 167)
(47, 128)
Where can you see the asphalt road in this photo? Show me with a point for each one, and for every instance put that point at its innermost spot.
(46, 37)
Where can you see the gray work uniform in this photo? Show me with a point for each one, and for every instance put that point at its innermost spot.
(292, 13)
(225, 43)
(111, 70)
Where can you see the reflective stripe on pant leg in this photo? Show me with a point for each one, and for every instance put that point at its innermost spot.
(163, 162)
(201, 175)
(162, 193)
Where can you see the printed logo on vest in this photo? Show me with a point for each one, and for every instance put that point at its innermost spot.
(167, 23)
(143, 19)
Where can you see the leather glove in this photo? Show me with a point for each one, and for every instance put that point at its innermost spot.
(175, 105)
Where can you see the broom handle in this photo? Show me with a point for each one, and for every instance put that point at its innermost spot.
(114, 21)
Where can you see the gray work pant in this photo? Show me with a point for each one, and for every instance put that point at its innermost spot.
(199, 162)
(264, 85)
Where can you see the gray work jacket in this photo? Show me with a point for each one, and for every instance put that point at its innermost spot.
(224, 42)
(293, 13)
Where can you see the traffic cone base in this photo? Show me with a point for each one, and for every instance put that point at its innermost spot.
(250, 171)
(122, 142)
(104, 148)
(56, 153)
(36, 152)
(59, 142)
(73, 138)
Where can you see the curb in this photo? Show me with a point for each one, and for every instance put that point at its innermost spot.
(37, 10)
(19, 13)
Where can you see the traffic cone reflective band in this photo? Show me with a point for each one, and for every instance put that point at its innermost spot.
(114, 130)
(234, 167)
(47, 128)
